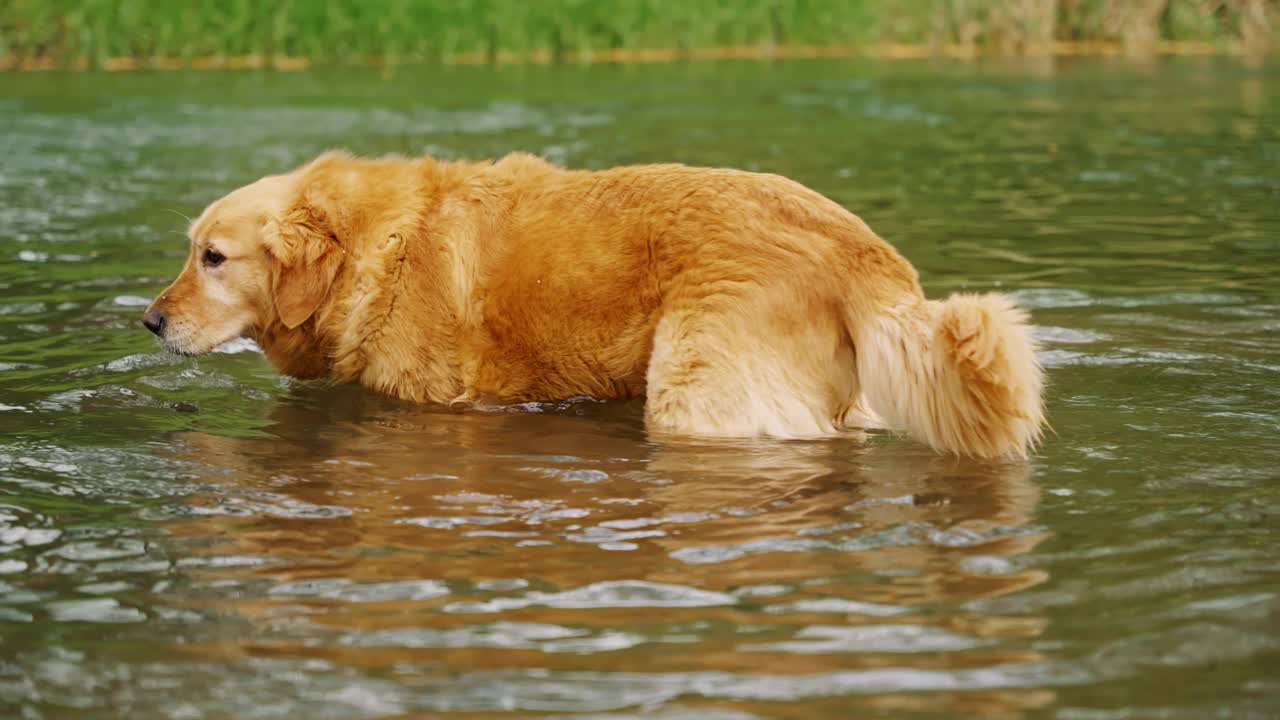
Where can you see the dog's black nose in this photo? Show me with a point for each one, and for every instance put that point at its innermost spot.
(154, 320)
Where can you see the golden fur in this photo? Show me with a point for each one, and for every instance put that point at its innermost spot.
(739, 304)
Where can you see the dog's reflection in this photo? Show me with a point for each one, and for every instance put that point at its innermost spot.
(555, 499)
(549, 493)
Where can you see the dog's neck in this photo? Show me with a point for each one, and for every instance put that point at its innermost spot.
(298, 352)
(401, 315)
(396, 319)
(372, 330)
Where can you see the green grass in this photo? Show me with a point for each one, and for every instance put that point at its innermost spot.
(71, 31)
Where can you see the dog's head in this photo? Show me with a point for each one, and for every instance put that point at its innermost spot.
(260, 256)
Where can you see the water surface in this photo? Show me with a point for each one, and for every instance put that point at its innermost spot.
(203, 539)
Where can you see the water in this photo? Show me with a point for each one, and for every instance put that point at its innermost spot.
(203, 539)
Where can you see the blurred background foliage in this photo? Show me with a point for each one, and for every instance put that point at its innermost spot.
(91, 32)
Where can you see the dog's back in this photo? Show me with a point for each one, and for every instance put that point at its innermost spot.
(744, 304)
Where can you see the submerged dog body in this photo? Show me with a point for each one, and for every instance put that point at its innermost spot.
(738, 304)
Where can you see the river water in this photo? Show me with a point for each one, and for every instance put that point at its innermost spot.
(203, 539)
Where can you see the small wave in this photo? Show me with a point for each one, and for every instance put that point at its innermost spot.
(610, 594)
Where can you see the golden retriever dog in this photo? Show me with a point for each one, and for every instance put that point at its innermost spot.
(738, 304)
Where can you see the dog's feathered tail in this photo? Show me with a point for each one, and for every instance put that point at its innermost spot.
(959, 374)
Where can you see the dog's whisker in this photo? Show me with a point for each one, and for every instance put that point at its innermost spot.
(179, 214)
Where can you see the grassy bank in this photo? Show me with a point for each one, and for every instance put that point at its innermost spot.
(75, 33)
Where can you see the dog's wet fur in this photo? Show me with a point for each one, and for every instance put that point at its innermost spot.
(738, 304)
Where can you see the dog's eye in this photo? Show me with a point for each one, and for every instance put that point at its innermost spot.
(213, 258)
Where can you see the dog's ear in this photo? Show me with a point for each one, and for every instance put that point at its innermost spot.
(305, 257)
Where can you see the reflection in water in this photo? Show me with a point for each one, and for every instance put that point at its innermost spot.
(559, 539)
